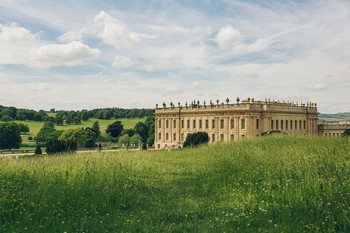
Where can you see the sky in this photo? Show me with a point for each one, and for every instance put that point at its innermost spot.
(84, 54)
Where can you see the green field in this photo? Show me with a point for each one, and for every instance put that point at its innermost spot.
(267, 184)
(35, 127)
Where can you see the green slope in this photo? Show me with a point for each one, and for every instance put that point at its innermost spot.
(268, 184)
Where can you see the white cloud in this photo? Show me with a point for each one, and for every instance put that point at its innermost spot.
(15, 43)
(14, 34)
(317, 87)
(71, 54)
(228, 37)
(70, 36)
(40, 87)
(122, 62)
(113, 32)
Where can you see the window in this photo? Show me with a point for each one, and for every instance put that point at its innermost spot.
(167, 124)
(232, 123)
(222, 123)
(160, 124)
(213, 137)
(257, 124)
(174, 137)
(232, 137)
(194, 124)
(291, 124)
(167, 136)
(188, 124)
(200, 124)
(276, 124)
(281, 124)
(159, 136)
(174, 124)
(221, 137)
(243, 124)
(182, 124)
(271, 124)
(206, 124)
(295, 124)
(304, 124)
(286, 124)
(299, 125)
(182, 137)
(213, 124)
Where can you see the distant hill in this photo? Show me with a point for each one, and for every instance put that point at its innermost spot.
(340, 115)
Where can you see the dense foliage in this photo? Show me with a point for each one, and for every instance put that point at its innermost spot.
(57, 146)
(347, 133)
(268, 184)
(71, 117)
(38, 150)
(196, 139)
(10, 136)
(115, 129)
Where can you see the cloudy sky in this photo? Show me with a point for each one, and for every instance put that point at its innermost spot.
(109, 53)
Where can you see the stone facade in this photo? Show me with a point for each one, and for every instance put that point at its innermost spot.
(229, 122)
(333, 129)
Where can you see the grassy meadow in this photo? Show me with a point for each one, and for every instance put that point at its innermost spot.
(267, 184)
(35, 127)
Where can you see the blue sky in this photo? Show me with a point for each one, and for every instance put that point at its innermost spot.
(90, 54)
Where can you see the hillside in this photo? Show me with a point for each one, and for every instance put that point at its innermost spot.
(336, 116)
(268, 184)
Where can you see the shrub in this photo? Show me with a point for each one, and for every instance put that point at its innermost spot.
(57, 146)
(196, 139)
(38, 150)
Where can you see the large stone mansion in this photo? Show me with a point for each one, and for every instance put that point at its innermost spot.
(225, 122)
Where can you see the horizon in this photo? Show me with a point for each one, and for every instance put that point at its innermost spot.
(76, 55)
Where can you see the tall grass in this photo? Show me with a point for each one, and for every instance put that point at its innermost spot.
(271, 184)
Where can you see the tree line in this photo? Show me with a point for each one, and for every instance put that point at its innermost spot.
(70, 117)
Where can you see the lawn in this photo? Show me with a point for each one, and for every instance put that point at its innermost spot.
(267, 184)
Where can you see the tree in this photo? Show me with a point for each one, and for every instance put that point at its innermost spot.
(84, 115)
(346, 133)
(129, 132)
(59, 120)
(115, 128)
(90, 138)
(46, 133)
(124, 141)
(38, 150)
(23, 128)
(73, 135)
(142, 129)
(150, 124)
(96, 128)
(196, 139)
(49, 124)
(77, 120)
(6, 118)
(9, 136)
(58, 146)
(135, 140)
